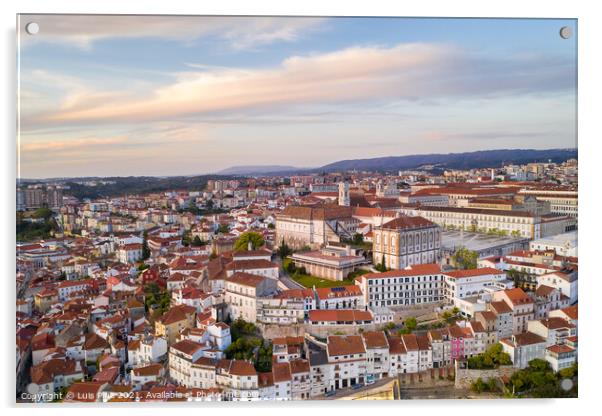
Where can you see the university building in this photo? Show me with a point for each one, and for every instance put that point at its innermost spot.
(405, 241)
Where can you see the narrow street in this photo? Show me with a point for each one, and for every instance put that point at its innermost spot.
(285, 279)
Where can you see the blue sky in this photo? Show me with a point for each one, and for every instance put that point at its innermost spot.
(115, 95)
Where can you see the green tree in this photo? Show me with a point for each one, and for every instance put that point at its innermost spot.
(478, 386)
(465, 258)
(358, 239)
(197, 242)
(255, 240)
(44, 213)
(493, 357)
(492, 385)
(410, 323)
(145, 250)
(186, 238)
(381, 267)
(284, 250)
(389, 326)
(223, 229)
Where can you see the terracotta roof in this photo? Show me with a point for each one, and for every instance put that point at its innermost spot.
(149, 370)
(556, 323)
(93, 341)
(46, 371)
(84, 391)
(339, 315)
(107, 375)
(265, 379)
(237, 367)
(281, 372)
(345, 345)
(544, 290)
(477, 326)
(487, 315)
(288, 341)
(491, 212)
(414, 270)
(375, 339)
(295, 294)
(571, 312)
(526, 338)
(396, 345)
(187, 346)
(473, 272)
(406, 222)
(299, 366)
(410, 342)
(252, 253)
(338, 292)
(251, 264)
(500, 307)
(560, 348)
(316, 213)
(176, 314)
(517, 296)
(246, 279)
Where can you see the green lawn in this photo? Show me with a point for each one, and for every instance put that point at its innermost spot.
(311, 281)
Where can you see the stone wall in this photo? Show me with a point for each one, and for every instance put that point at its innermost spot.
(465, 377)
(271, 331)
(322, 331)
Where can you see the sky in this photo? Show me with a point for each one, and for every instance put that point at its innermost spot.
(167, 95)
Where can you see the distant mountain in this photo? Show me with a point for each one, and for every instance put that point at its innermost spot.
(468, 160)
(257, 169)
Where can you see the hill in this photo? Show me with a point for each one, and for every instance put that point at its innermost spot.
(467, 160)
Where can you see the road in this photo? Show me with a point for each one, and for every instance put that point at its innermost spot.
(285, 279)
(433, 392)
(348, 392)
(405, 393)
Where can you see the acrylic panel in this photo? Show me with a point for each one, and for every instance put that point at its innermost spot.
(248, 208)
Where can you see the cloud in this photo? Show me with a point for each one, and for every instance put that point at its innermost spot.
(71, 144)
(377, 74)
(237, 32)
(485, 135)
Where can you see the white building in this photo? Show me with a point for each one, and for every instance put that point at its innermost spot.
(473, 282)
(563, 244)
(242, 291)
(565, 282)
(414, 285)
(130, 253)
(523, 348)
(146, 350)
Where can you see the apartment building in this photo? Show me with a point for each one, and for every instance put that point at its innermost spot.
(414, 285)
(522, 306)
(242, 292)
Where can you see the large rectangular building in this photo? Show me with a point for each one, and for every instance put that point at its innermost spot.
(415, 285)
(405, 241)
(300, 226)
(512, 223)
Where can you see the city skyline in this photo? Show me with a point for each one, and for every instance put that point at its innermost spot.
(284, 91)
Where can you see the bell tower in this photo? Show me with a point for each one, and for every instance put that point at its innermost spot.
(344, 194)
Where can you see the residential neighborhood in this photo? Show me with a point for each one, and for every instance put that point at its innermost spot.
(261, 288)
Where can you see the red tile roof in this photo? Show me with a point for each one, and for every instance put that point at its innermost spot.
(339, 315)
(473, 272)
(345, 345)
